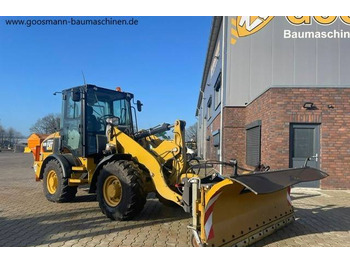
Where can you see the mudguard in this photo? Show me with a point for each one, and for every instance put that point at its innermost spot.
(65, 161)
(101, 163)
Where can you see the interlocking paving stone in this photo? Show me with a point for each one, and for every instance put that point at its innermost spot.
(28, 219)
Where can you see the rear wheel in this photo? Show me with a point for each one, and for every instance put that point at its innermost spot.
(119, 190)
(55, 186)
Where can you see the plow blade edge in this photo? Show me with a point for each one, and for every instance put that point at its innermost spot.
(272, 181)
(242, 210)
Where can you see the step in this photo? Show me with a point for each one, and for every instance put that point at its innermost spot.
(79, 168)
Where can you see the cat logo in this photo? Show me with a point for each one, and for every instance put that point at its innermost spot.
(247, 25)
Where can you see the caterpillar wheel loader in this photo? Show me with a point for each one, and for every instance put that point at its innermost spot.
(99, 145)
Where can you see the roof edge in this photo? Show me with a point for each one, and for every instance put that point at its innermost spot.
(214, 32)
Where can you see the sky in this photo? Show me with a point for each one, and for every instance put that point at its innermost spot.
(160, 60)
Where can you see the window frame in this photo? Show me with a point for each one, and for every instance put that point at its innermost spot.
(216, 138)
(249, 151)
(209, 111)
(217, 91)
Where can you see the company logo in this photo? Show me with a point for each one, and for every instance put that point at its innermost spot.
(243, 26)
(247, 25)
(318, 34)
(321, 20)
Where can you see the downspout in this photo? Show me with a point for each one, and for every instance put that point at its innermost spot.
(200, 135)
(223, 81)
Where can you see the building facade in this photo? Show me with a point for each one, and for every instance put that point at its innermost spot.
(275, 91)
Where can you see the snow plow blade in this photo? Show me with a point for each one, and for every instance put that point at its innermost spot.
(241, 210)
(269, 182)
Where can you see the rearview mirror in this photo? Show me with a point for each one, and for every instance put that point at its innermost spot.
(139, 105)
(76, 95)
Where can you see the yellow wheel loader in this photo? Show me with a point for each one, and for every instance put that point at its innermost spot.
(99, 144)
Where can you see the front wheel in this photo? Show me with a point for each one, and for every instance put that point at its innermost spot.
(119, 190)
(55, 186)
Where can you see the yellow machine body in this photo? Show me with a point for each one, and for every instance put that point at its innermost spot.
(162, 152)
(230, 216)
(242, 209)
(226, 211)
(152, 157)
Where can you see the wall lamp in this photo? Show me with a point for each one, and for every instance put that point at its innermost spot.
(309, 105)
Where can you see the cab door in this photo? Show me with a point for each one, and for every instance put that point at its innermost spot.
(71, 122)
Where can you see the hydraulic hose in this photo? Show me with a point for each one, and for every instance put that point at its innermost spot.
(152, 131)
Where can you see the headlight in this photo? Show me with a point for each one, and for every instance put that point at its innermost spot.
(113, 121)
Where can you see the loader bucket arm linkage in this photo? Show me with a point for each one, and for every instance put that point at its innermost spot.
(129, 146)
(241, 210)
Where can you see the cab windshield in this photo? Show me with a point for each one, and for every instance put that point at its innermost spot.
(102, 104)
(99, 105)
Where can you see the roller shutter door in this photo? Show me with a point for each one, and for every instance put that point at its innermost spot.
(253, 144)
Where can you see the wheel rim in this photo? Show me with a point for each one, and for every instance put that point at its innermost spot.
(112, 191)
(52, 182)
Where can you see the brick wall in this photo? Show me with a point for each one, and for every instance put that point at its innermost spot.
(277, 108)
(233, 135)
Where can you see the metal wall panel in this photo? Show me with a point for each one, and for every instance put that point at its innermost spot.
(265, 59)
(328, 58)
(282, 55)
(238, 72)
(260, 61)
(305, 58)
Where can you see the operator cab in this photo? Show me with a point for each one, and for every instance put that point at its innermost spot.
(85, 110)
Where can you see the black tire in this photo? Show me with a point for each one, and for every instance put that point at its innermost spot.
(132, 198)
(63, 192)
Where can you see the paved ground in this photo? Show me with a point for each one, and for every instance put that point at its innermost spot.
(28, 219)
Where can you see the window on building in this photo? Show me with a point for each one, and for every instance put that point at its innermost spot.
(253, 143)
(209, 108)
(217, 92)
(216, 138)
(216, 143)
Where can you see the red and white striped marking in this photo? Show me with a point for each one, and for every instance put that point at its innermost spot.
(208, 218)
